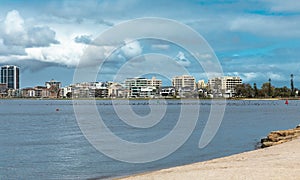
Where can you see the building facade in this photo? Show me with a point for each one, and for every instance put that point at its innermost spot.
(86, 90)
(10, 76)
(54, 88)
(116, 90)
(224, 85)
(3, 90)
(184, 81)
(168, 91)
(142, 87)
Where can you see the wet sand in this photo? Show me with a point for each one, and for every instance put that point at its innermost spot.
(277, 162)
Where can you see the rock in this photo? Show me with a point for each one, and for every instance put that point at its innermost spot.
(279, 137)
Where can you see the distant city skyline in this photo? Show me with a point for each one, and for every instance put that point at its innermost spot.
(253, 40)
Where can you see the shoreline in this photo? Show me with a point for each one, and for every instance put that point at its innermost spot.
(281, 161)
(174, 99)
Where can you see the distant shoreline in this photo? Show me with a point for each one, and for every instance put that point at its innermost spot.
(201, 99)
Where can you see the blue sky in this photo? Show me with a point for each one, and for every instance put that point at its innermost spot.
(256, 40)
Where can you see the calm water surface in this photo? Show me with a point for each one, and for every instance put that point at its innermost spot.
(36, 141)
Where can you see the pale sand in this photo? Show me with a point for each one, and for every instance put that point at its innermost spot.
(276, 162)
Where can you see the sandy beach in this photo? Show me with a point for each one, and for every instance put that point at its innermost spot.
(277, 162)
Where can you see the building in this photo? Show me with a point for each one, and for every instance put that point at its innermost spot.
(86, 90)
(10, 76)
(41, 92)
(184, 81)
(168, 91)
(52, 83)
(53, 88)
(224, 85)
(116, 90)
(36, 92)
(142, 87)
(201, 85)
(28, 92)
(3, 90)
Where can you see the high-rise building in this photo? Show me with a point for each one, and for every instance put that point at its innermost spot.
(184, 81)
(10, 76)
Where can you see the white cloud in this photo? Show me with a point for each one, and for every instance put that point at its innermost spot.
(267, 25)
(14, 23)
(67, 53)
(131, 48)
(160, 46)
(284, 6)
(249, 77)
(16, 33)
(182, 60)
(275, 76)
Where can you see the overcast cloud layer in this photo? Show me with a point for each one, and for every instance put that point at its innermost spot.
(256, 40)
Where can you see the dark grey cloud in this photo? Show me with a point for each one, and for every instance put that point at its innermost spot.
(33, 37)
(11, 50)
(32, 65)
(41, 37)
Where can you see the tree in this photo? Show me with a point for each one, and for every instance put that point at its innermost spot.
(292, 85)
(244, 90)
(267, 90)
(282, 92)
(69, 95)
(255, 90)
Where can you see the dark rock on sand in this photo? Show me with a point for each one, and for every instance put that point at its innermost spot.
(278, 137)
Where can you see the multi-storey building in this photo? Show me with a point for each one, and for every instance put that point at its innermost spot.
(86, 90)
(183, 82)
(142, 87)
(10, 76)
(225, 84)
(53, 88)
(36, 92)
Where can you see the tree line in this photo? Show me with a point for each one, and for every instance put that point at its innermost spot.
(266, 90)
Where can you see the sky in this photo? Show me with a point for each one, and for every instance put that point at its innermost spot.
(254, 39)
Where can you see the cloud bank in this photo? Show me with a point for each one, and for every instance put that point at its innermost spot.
(256, 40)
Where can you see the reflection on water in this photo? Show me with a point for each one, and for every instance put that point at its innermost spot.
(38, 141)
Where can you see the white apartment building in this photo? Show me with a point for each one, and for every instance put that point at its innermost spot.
(225, 83)
(142, 87)
(184, 81)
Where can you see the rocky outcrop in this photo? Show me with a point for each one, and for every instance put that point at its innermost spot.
(278, 137)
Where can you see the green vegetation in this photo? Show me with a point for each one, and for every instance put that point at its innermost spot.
(266, 91)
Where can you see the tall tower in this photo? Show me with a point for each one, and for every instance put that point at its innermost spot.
(10, 76)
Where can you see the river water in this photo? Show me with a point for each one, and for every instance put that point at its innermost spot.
(40, 139)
